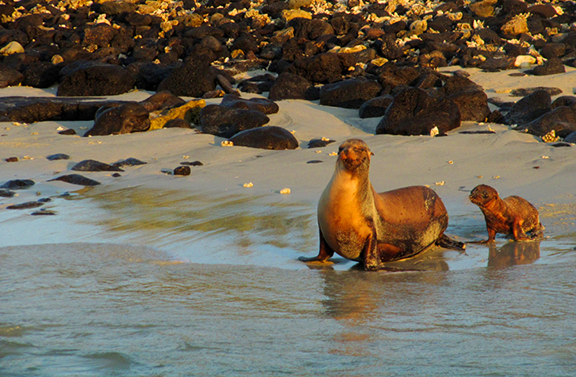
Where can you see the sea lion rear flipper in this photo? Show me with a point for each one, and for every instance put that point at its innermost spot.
(324, 254)
(448, 243)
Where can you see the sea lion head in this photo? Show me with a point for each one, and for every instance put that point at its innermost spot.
(354, 155)
(483, 194)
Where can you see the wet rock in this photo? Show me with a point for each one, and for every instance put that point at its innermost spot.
(6, 193)
(95, 79)
(289, 86)
(350, 94)
(123, 119)
(529, 108)
(182, 170)
(562, 120)
(375, 107)
(262, 105)
(271, 137)
(9, 76)
(76, 179)
(225, 122)
(26, 205)
(58, 156)
(93, 165)
(43, 212)
(414, 112)
(550, 67)
(192, 79)
(320, 143)
(18, 184)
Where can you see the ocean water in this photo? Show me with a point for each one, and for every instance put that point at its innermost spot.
(141, 283)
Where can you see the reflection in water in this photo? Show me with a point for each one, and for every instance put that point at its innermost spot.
(167, 219)
(513, 253)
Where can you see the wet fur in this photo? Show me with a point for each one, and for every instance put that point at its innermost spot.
(512, 216)
(373, 228)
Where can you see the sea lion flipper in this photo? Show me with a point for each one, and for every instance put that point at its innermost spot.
(448, 243)
(324, 254)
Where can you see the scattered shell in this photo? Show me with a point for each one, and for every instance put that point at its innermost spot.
(441, 183)
(550, 137)
(480, 176)
(285, 191)
(450, 162)
(333, 154)
(249, 184)
(33, 133)
(496, 177)
(545, 157)
(185, 157)
(227, 143)
(318, 151)
(435, 131)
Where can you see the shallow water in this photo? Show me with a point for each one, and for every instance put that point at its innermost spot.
(141, 283)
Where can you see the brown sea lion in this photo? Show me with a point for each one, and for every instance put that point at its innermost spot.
(362, 225)
(513, 216)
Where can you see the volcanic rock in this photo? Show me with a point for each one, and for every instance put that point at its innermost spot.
(271, 137)
(263, 105)
(349, 94)
(95, 79)
(226, 122)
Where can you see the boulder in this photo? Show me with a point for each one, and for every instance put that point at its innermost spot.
(95, 79)
(226, 122)
(271, 137)
(376, 107)
(289, 86)
(192, 79)
(263, 105)
(122, 119)
(9, 76)
(529, 108)
(562, 120)
(414, 112)
(350, 94)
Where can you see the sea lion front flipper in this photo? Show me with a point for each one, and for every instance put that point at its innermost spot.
(324, 254)
(448, 243)
(517, 231)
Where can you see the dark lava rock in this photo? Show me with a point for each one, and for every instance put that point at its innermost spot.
(43, 212)
(562, 120)
(58, 156)
(182, 170)
(375, 107)
(350, 94)
(262, 105)
(550, 67)
(192, 163)
(391, 76)
(11, 159)
(177, 123)
(162, 100)
(192, 79)
(6, 193)
(26, 205)
(95, 80)
(314, 162)
(564, 101)
(125, 118)
(130, 161)
(67, 132)
(76, 179)
(472, 104)
(523, 92)
(18, 184)
(149, 75)
(266, 138)
(41, 75)
(529, 108)
(226, 122)
(320, 143)
(414, 112)
(289, 86)
(323, 68)
(93, 165)
(9, 76)
(571, 138)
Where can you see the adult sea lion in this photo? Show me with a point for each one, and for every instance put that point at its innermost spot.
(362, 225)
(513, 216)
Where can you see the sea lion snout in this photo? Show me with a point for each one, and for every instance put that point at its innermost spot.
(353, 153)
(482, 194)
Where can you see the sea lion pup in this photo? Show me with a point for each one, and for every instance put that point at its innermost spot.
(362, 225)
(513, 216)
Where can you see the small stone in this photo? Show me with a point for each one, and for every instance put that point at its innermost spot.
(18, 184)
(249, 184)
(285, 191)
(12, 159)
(25, 205)
(59, 156)
(67, 132)
(193, 163)
(182, 170)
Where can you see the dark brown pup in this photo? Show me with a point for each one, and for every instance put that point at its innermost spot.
(513, 216)
(362, 225)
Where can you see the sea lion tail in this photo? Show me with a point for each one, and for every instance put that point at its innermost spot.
(448, 243)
